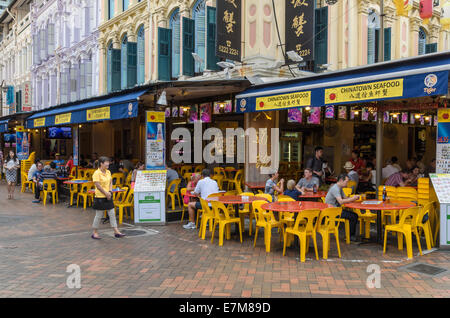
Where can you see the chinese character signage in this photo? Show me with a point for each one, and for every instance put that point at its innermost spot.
(229, 29)
(300, 28)
(26, 107)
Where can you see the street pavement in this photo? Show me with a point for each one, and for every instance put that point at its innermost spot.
(38, 244)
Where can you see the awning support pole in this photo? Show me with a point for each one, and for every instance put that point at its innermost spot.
(379, 152)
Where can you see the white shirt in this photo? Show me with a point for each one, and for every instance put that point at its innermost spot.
(32, 171)
(374, 176)
(205, 187)
(388, 171)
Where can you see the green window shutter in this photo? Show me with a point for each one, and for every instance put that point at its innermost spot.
(321, 36)
(211, 57)
(371, 45)
(141, 56)
(132, 64)
(188, 46)
(109, 69)
(115, 69)
(431, 48)
(164, 53)
(387, 44)
(124, 63)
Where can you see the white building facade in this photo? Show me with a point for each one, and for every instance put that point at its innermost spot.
(15, 59)
(65, 51)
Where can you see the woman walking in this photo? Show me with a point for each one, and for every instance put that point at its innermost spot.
(103, 200)
(10, 168)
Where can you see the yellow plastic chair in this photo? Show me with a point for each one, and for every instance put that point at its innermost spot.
(128, 179)
(282, 196)
(187, 177)
(185, 206)
(347, 191)
(425, 226)
(119, 197)
(73, 172)
(303, 231)
(73, 188)
(287, 218)
(407, 194)
(236, 181)
(365, 219)
(185, 169)
(173, 194)
(266, 196)
(85, 195)
(81, 174)
(267, 221)
(27, 184)
(199, 169)
(247, 211)
(50, 187)
(89, 173)
(392, 195)
(326, 225)
(207, 217)
(219, 180)
(222, 219)
(407, 226)
(128, 203)
(352, 184)
(118, 179)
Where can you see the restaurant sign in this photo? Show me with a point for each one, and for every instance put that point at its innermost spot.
(362, 92)
(98, 114)
(39, 122)
(63, 119)
(299, 26)
(229, 29)
(284, 101)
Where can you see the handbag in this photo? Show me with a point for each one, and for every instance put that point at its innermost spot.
(103, 204)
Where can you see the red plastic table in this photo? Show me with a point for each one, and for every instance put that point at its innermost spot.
(254, 186)
(312, 195)
(378, 207)
(294, 206)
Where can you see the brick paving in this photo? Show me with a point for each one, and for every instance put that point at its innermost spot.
(38, 243)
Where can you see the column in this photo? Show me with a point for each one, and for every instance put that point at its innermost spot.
(414, 36)
(52, 88)
(363, 10)
(45, 88)
(102, 66)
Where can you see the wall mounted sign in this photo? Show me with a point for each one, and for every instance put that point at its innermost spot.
(229, 29)
(299, 26)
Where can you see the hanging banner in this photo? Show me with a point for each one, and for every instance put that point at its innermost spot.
(229, 29)
(155, 150)
(75, 146)
(443, 141)
(299, 26)
(22, 143)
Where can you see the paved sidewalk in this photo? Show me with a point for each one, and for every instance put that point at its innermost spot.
(38, 243)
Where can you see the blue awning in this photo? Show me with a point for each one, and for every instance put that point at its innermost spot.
(407, 78)
(109, 108)
(4, 125)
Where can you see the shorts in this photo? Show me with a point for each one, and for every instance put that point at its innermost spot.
(198, 205)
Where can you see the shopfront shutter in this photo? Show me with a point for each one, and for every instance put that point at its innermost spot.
(431, 48)
(387, 44)
(132, 64)
(188, 46)
(164, 54)
(211, 57)
(116, 70)
(321, 36)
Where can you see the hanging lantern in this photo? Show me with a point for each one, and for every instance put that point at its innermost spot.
(426, 10)
(331, 2)
(445, 15)
(403, 6)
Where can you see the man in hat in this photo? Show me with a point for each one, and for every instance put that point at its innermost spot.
(58, 161)
(352, 174)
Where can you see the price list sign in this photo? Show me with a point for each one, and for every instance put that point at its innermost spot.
(150, 181)
(441, 184)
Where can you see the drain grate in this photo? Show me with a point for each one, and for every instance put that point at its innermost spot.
(134, 232)
(426, 269)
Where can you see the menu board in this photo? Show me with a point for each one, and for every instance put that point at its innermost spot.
(443, 141)
(441, 184)
(155, 152)
(443, 158)
(150, 181)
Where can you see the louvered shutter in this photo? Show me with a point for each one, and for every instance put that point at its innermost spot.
(431, 48)
(387, 44)
(164, 54)
(109, 70)
(124, 63)
(188, 46)
(200, 39)
(212, 59)
(116, 70)
(371, 46)
(321, 36)
(132, 64)
(141, 56)
(88, 70)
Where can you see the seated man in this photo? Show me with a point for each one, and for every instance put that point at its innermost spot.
(337, 198)
(38, 182)
(351, 173)
(271, 185)
(58, 161)
(69, 164)
(33, 170)
(171, 175)
(413, 177)
(292, 191)
(397, 179)
(204, 188)
(308, 182)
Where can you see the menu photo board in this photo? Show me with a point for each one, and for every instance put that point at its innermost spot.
(299, 26)
(149, 196)
(229, 29)
(150, 181)
(443, 141)
(155, 146)
(441, 184)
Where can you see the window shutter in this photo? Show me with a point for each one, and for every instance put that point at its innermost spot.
(63, 90)
(132, 64)
(387, 44)
(51, 39)
(200, 38)
(422, 42)
(321, 36)
(124, 58)
(141, 56)
(82, 79)
(431, 48)
(87, 24)
(43, 47)
(88, 70)
(371, 46)
(188, 46)
(109, 70)
(212, 59)
(73, 83)
(116, 70)
(164, 54)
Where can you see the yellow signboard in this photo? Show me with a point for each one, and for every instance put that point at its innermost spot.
(156, 117)
(20, 128)
(444, 115)
(39, 122)
(98, 113)
(368, 91)
(63, 119)
(298, 99)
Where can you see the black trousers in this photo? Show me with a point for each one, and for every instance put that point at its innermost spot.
(37, 191)
(352, 217)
